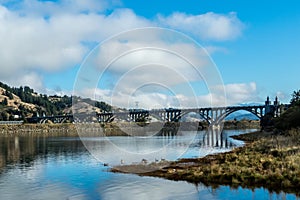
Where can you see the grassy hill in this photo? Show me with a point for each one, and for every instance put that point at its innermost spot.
(20, 103)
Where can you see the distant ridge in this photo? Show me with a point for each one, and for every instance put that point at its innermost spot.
(241, 116)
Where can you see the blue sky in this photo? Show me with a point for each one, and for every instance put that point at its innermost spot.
(43, 43)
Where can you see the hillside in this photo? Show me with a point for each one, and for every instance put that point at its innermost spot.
(20, 103)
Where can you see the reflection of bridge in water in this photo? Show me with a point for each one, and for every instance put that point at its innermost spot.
(216, 138)
(211, 137)
(207, 138)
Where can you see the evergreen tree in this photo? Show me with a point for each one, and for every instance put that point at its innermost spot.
(5, 102)
(295, 101)
(4, 116)
(9, 94)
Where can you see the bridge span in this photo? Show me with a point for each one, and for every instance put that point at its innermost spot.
(212, 115)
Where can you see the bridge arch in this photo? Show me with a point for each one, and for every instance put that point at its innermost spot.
(256, 111)
(205, 118)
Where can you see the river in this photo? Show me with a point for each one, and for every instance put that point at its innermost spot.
(34, 167)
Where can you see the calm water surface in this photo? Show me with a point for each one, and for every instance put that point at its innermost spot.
(62, 168)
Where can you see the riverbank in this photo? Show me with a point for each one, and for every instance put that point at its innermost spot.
(109, 129)
(38, 129)
(64, 130)
(267, 160)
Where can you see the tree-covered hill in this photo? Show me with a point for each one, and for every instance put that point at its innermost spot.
(20, 103)
(291, 117)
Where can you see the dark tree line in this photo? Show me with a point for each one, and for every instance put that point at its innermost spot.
(103, 106)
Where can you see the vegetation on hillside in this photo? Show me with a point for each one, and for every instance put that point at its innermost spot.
(40, 103)
(290, 119)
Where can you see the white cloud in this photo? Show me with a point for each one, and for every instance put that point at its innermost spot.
(30, 43)
(156, 66)
(47, 36)
(31, 79)
(48, 8)
(236, 93)
(209, 26)
(282, 96)
(241, 92)
(154, 71)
